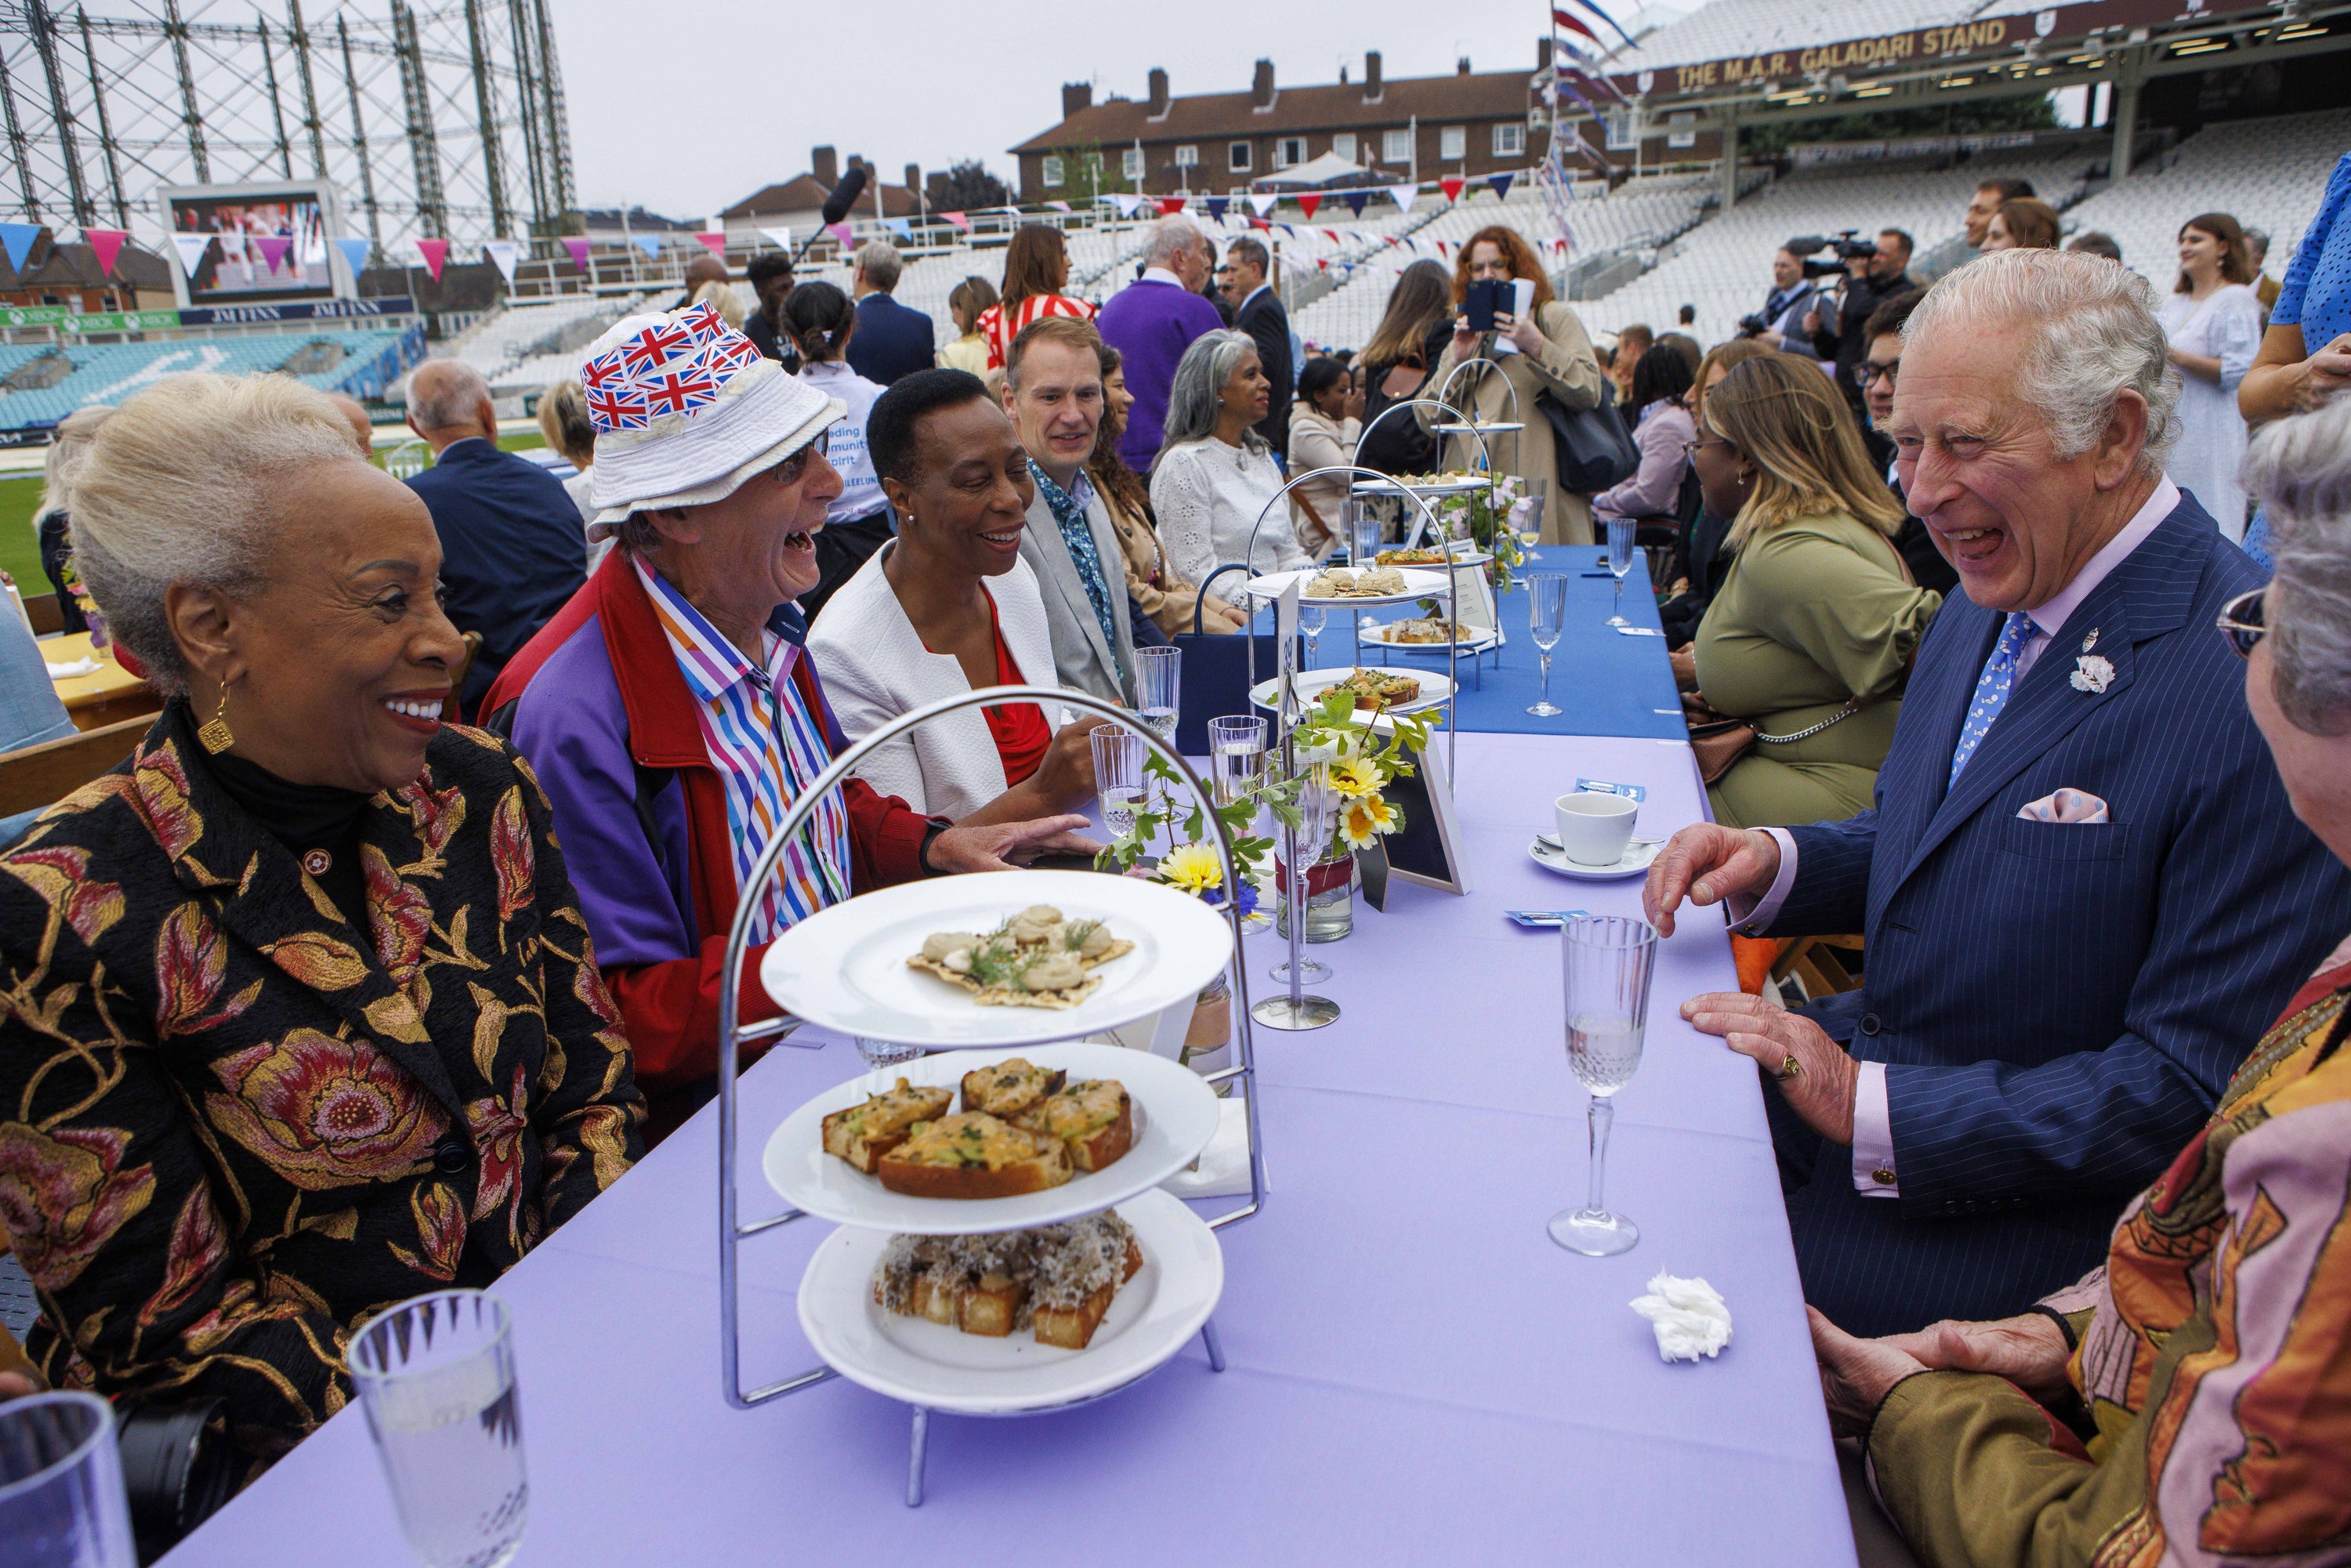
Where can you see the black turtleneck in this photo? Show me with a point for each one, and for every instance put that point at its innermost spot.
(315, 822)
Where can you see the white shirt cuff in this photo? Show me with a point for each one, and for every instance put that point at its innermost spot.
(1749, 915)
(1872, 1135)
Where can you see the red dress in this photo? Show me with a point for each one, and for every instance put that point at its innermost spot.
(1019, 730)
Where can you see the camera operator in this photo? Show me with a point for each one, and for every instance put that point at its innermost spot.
(1780, 324)
(1839, 326)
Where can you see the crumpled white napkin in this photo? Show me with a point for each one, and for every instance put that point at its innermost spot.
(1223, 1166)
(2064, 806)
(1689, 1316)
(78, 667)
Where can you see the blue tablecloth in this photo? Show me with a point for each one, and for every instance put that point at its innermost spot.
(1608, 684)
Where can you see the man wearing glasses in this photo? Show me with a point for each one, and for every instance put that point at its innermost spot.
(2083, 888)
(1879, 368)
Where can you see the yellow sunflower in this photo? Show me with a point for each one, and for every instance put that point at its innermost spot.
(1192, 867)
(1365, 818)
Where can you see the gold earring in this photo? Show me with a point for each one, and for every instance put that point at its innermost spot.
(215, 736)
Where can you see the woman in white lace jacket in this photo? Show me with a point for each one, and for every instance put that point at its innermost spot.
(1216, 474)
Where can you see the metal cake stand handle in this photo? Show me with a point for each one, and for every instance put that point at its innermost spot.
(733, 1036)
(1381, 418)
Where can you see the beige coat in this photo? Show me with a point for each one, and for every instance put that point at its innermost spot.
(1316, 440)
(1566, 368)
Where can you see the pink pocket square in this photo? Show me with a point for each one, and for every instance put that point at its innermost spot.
(2064, 806)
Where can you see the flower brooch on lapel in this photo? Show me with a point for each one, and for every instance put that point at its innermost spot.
(2092, 673)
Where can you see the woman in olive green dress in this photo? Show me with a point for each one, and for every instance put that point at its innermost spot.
(1812, 632)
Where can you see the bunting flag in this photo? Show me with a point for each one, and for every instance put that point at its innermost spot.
(1563, 18)
(355, 254)
(1218, 207)
(841, 232)
(781, 238)
(1451, 185)
(899, 228)
(1501, 183)
(1126, 204)
(1599, 80)
(1355, 199)
(578, 249)
(962, 222)
(1308, 202)
(1333, 236)
(105, 245)
(1262, 202)
(273, 248)
(1171, 206)
(714, 242)
(1059, 206)
(191, 247)
(18, 238)
(1569, 87)
(1256, 223)
(436, 252)
(1402, 195)
(1562, 10)
(502, 254)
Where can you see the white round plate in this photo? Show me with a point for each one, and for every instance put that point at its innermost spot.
(1483, 427)
(1465, 556)
(1442, 488)
(942, 1368)
(1478, 644)
(845, 968)
(1636, 858)
(1312, 684)
(1174, 1117)
(1420, 582)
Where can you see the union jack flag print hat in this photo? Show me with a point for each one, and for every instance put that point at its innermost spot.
(685, 409)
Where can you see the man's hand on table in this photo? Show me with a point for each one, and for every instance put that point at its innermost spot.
(1708, 863)
(1820, 1088)
(2029, 1349)
(1007, 846)
(1856, 1374)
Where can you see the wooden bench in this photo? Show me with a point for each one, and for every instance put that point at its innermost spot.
(45, 774)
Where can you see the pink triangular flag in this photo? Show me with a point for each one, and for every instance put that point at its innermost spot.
(1059, 206)
(1307, 203)
(106, 244)
(714, 242)
(273, 248)
(960, 220)
(436, 252)
(843, 232)
(578, 249)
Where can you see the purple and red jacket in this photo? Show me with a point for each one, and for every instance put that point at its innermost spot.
(597, 704)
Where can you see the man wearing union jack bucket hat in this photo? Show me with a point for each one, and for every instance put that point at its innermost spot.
(670, 709)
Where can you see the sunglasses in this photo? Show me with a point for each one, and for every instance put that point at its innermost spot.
(793, 469)
(2240, 622)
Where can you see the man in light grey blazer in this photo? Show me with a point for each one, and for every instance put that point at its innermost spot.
(1053, 391)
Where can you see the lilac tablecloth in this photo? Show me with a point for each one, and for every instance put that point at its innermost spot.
(1417, 1375)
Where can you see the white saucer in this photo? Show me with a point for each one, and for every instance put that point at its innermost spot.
(1636, 858)
(943, 1368)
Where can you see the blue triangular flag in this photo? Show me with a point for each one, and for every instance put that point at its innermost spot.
(649, 244)
(1217, 206)
(19, 238)
(1501, 183)
(899, 228)
(1355, 199)
(355, 254)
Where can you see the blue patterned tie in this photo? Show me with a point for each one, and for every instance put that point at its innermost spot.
(1078, 535)
(1992, 688)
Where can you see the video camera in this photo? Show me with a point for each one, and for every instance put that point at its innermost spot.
(1844, 245)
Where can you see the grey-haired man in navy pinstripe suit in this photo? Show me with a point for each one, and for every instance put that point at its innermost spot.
(2083, 890)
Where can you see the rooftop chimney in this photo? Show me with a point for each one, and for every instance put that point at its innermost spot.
(935, 185)
(1461, 66)
(825, 165)
(1076, 96)
(914, 176)
(1157, 106)
(1261, 87)
(1543, 54)
(1371, 76)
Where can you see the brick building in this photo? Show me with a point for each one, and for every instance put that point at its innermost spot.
(796, 203)
(1471, 123)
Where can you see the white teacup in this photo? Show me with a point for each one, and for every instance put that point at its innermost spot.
(1593, 828)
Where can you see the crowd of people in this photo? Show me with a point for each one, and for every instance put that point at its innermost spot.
(2065, 1177)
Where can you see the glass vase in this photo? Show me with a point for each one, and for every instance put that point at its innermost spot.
(1329, 896)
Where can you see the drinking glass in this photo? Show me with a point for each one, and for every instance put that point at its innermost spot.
(881, 1055)
(1237, 753)
(1318, 812)
(61, 1500)
(1546, 617)
(1159, 689)
(1539, 492)
(1606, 961)
(436, 1376)
(1364, 527)
(1310, 619)
(1620, 561)
(1118, 775)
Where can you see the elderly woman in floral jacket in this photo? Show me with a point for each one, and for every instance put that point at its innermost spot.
(298, 1017)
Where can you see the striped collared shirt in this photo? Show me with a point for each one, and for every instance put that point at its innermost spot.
(768, 747)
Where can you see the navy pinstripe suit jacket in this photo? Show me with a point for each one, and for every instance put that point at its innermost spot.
(2058, 1005)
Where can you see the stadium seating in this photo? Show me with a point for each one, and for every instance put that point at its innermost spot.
(109, 372)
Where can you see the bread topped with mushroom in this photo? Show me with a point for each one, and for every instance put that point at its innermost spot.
(1037, 959)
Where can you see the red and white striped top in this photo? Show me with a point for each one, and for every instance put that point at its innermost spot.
(991, 325)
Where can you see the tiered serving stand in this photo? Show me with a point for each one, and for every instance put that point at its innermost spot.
(868, 1216)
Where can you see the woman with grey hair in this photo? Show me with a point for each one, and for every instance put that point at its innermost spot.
(53, 516)
(2202, 1360)
(1216, 476)
(298, 1014)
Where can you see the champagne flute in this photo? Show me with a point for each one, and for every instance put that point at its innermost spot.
(1546, 618)
(1237, 751)
(1620, 561)
(1537, 491)
(436, 1375)
(1159, 689)
(1606, 962)
(1311, 620)
(1118, 775)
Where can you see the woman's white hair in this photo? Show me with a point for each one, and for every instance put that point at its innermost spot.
(2092, 333)
(68, 444)
(1198, 390)
(178, 487)
(2301, 468)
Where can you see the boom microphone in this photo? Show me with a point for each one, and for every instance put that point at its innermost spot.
(844, 195)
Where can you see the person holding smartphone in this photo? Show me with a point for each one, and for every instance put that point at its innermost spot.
(1532, 344)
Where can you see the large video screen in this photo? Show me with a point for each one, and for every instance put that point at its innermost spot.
(264, 246)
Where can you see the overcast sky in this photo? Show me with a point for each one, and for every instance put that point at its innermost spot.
(690, 105)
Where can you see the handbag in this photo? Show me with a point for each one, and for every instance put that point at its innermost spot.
(1590, 447)
(1719, 743)
(1215, 672)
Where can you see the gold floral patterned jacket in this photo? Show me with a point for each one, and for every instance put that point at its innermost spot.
(231, 1126)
